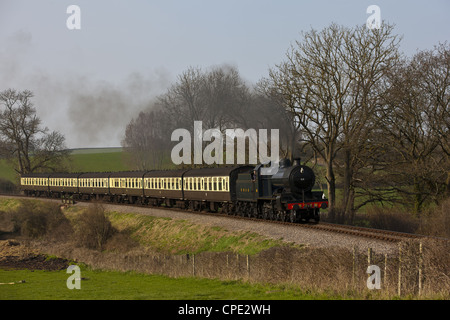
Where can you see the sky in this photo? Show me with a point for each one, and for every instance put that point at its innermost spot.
(88, 83)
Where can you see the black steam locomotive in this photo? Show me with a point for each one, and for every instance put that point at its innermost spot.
(286, 195)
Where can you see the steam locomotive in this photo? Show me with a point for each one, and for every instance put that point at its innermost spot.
(241, 190)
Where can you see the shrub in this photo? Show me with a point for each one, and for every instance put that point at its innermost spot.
(7, 186)
(93, 228)
(436, 222)
(395, 219)
(34, 219)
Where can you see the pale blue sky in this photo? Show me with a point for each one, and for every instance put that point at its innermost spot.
(137, 48)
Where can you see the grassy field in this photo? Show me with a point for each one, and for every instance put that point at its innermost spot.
(112, 285)
(98, 162)
(81, 160)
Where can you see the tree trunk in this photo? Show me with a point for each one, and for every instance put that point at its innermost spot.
(347, 200)
(331, 184)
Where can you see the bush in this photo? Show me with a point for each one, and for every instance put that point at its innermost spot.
(394, 219)
(93, 228)
(436, 222)
(34, 219)
(7, 186)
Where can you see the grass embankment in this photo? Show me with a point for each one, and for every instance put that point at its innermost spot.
(176, 236)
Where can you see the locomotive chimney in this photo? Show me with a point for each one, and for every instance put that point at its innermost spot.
(296, 162)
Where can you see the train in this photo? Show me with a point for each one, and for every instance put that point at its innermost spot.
(241, 190)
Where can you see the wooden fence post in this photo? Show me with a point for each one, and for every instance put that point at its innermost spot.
(369, 258)
(354, 267)
(399, 285)
(248, 268)
(385, 271)
(420, 267)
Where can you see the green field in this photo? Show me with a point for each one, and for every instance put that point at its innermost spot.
(111, 285)
(81, 160)
(98, 162)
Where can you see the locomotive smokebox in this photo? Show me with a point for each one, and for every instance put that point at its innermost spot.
(297, 178)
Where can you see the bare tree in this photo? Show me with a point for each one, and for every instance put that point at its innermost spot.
(23, 139)
(147, 139)
(415, 121)
(434, 69)
(270, 112)
(329, 82)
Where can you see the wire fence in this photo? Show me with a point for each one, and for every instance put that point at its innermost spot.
(419, 269)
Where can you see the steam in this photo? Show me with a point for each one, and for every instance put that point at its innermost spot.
(88, 112)
(100, 112)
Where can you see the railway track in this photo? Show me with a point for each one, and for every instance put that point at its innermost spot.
(378, 234)
(383, 235)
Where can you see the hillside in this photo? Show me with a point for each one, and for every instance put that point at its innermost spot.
(81, 160)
